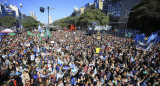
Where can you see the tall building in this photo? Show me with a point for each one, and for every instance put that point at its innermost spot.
(78, 12)
(118, 10)
(98, 4)
(10, 10)
(32, 14)
(2, 10)
(50, 20)
(88, 4)
(16, 11)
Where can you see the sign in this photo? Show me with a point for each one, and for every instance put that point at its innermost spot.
(97, 50)
(98, 37)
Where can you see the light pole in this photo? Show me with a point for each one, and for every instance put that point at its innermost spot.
(126, 16)
(42, 10)
(48, 13)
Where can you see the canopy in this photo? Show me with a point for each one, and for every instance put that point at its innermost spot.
(7, 31)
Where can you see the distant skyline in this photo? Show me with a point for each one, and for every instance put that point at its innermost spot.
(63, 8)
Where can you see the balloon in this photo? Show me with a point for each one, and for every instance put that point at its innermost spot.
(20, 5)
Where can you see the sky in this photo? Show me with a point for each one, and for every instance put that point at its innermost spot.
(62, 8)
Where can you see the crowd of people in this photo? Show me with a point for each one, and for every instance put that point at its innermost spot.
(69, 58)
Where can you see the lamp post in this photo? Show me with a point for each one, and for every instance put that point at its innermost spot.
(48, 13)
(48, 8)
(126, 16)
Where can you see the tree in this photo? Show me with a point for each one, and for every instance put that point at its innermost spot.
(28, 22)
(64, 22)
(89, 16)
(93, 15)
(8, 21)
(145, 16)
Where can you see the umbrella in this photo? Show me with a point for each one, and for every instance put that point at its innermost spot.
(12, 34)
(7, 31)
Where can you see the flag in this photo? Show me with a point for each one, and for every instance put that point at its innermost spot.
(142, 46)
(39, 28)
(136, 38)
(74, 70)
(142, 37)
(12, 34)
(146, 38)
(0, 38)
(95, 71)
(40, 38)
(158, 40)
(47, 33)
(29, 33)
(152, 37)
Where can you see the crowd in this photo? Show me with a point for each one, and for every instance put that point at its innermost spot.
(70, 59)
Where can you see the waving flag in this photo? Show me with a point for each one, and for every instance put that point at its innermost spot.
(29, 33)
(142, 37)
(158, 40)
(143, 43)
(39, 28)
(47, 33)
(152, 37)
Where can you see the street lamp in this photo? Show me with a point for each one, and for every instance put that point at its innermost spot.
(42, 10)
(126, 16)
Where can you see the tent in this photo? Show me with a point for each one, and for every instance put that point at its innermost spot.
(7, 31)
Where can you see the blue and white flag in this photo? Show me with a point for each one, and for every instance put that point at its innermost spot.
(142, 46)
(158, 40)
(152, 37)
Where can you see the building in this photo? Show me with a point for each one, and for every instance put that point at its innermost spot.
(50, 20)
(118, 11)
(2, 10)
(16, 12)
(88, 4)
(98, 4)
(32, 14)
(23, 15)
(80, 11)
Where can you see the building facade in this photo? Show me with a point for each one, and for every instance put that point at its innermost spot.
(88, 4)
(32, 14)
(98, 4)
(50, 20)
(16, 12)
(118, 10)
(2, 10)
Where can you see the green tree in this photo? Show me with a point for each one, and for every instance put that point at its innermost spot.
(145, 16)
(8, 21)
(28, 22)
(93, 15)
(89, 16)
(64, 22)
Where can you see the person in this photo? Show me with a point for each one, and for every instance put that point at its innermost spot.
(71, 59)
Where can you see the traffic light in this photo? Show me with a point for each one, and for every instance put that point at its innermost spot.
(42, 9)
